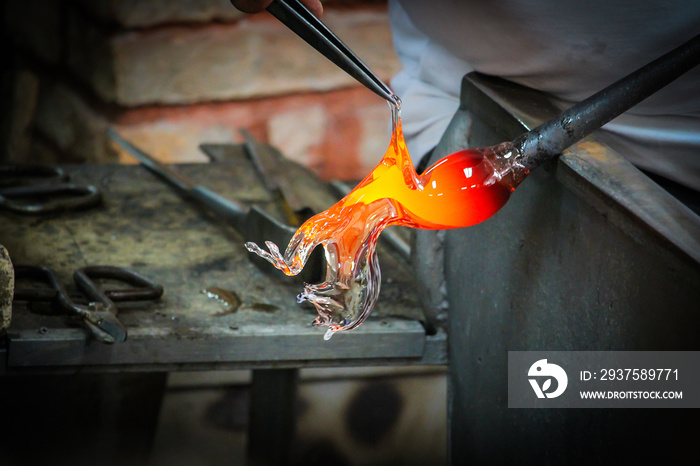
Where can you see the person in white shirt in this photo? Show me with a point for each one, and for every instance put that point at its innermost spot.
(568, 49)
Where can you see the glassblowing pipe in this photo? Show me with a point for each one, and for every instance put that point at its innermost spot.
(551, 138)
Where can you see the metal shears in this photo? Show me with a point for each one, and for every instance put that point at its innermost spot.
(307, 26)
(100, 313)
(42, 189)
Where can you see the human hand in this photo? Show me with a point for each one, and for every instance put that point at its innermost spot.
(255, 6)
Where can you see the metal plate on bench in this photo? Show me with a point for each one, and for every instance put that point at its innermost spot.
(144, 225)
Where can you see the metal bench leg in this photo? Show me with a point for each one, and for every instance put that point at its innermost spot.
(271, 426)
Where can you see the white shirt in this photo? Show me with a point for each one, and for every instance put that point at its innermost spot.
(570, 49)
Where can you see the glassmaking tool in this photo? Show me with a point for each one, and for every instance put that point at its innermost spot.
(253, 223)
(307, 26)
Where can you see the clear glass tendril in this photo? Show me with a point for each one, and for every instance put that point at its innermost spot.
(460, 190)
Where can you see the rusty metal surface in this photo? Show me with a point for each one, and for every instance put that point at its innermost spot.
(588, 254)
(144, 225)
(595, 162)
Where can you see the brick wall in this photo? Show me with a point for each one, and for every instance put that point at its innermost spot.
(172, 74)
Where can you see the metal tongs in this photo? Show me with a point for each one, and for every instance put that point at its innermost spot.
(307, 26)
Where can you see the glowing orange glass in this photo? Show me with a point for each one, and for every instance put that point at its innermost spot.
(460, 190)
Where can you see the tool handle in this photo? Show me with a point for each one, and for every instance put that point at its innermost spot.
(226, 209)
(551, 138)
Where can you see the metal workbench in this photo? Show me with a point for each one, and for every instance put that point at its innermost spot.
(589, 254)
(144, 225)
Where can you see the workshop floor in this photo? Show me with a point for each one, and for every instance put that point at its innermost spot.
(349, 416)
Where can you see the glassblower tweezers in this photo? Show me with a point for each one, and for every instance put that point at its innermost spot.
(542, 143)
(307, 26)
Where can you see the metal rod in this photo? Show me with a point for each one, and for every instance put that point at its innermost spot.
(227, 209)
(551, 138)
(168, 174)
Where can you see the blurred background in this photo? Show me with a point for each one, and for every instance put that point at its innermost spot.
(170, 75)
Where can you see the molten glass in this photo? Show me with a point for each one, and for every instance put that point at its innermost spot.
(460, 190)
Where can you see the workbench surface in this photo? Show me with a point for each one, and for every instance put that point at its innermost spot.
(144, 225)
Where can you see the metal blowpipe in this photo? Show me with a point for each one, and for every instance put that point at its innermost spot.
(551, 138)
